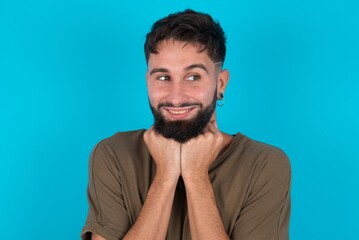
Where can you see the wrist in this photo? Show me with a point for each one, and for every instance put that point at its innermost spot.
(197, 178)
(167, 177)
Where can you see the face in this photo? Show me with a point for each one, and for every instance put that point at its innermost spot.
(183, 84)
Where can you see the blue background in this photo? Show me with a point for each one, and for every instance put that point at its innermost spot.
(73, 73)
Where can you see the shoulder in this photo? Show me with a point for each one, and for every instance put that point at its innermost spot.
(254, 160)
(122, 141)
(123, 138)
(263, 154)
(265, 178)
(270, 166)
(122, 145)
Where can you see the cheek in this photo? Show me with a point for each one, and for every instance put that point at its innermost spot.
(155, 95)
(204, 95)
(190, 93)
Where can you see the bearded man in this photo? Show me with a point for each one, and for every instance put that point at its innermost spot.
(183, 178)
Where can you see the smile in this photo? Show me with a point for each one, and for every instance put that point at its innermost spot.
(179, 113)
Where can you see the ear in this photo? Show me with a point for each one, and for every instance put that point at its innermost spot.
(222, 81)
(147, 76)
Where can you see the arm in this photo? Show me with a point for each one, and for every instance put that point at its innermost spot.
(152, 223)
(196, 157)
(205, 220)
(266, 211)
(108, 217)
(153, 220)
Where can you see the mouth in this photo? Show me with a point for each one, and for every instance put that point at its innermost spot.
(180, 113)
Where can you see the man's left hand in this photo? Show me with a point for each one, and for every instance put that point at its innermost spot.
(198, 153)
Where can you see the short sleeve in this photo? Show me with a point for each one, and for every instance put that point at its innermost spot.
(265, 214)
(107, 215)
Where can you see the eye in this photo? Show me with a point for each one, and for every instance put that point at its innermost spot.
(163, 78)
(193, 77)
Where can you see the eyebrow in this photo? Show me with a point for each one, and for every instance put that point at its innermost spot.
(190, 67)
(198, 65)
(161, 70)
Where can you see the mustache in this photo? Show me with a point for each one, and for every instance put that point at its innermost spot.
(167, 104)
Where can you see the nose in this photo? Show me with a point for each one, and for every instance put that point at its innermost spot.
(177, 94)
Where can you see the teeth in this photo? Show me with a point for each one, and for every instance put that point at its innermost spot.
(178, 112)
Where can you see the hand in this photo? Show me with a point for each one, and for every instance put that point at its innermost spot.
(165, 152)
(198, 153)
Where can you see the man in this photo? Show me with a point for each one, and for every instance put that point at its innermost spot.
(183, 178)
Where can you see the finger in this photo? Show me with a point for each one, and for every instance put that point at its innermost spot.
(149, 134)
(209, 130)
(154, 132)
(149, 130)
(205, 130)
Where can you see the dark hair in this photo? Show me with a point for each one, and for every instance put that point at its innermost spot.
(191, 27)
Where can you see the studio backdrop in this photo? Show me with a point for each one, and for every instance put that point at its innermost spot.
(73, 73)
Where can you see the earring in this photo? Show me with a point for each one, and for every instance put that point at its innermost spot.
(220, 100)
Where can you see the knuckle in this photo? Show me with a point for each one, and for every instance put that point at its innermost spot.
(145, 136)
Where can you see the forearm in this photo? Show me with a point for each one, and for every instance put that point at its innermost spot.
(204, 218)
(152, 223)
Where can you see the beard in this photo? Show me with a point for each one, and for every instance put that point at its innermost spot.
(183, 130)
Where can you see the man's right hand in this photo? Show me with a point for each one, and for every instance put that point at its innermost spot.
(166, 154)
(152, 223)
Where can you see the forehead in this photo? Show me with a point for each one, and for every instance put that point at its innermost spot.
(179, 53)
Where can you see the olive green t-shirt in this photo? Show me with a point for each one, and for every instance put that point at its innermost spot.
(251, 183)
